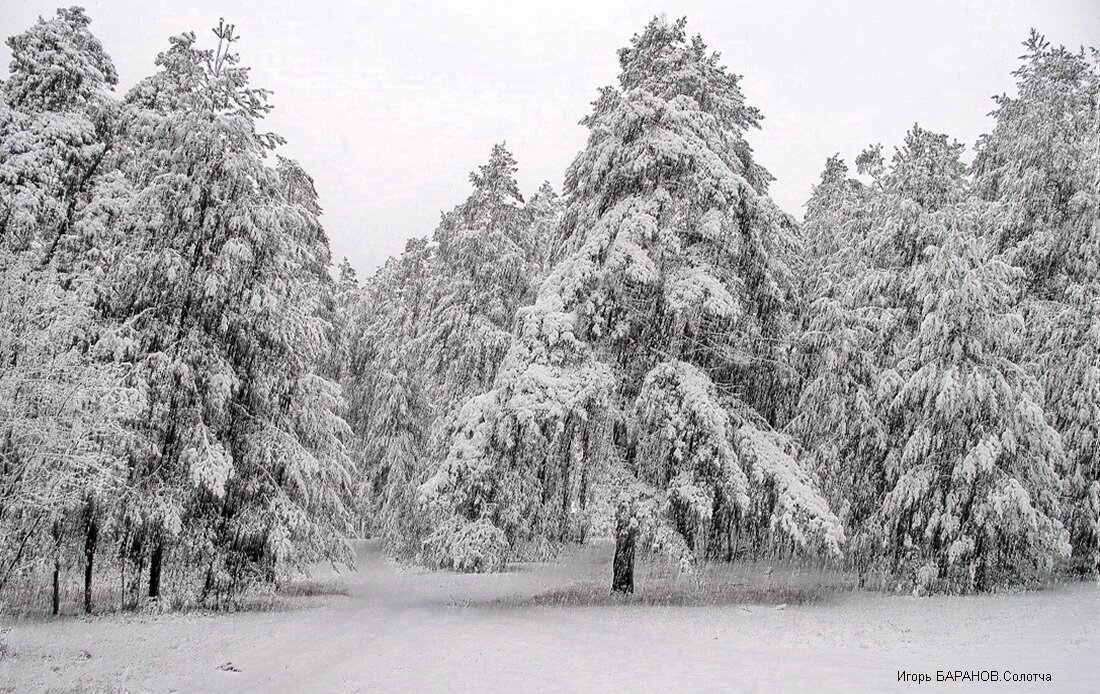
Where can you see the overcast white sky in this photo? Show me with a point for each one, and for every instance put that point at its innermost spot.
(390, 104)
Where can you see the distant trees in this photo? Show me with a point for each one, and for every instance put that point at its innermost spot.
(437, 321)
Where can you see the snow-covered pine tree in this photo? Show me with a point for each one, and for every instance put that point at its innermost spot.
(58, 129)
(433, 330)
(839, 418)
(975, 496)
(540, 239)
(65, 402)
(830, 233)
(862, 312)
(1041, 165)
(247, 476)
(401, 424)
(345, 316)
(922, 414)
(645, 343)
(484, 275)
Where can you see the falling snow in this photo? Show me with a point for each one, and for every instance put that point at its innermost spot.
(652, 398)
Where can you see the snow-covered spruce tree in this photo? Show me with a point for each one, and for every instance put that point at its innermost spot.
(65, 403)
(58, 132)
(645, 347)
(1041, 165)
(346, 306)
(481, 253)
(830, 235)
(246, 476)
(540, 240)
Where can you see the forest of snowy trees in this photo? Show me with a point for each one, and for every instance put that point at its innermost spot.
(196, 404)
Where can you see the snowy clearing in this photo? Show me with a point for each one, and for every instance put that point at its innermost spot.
(550, 627)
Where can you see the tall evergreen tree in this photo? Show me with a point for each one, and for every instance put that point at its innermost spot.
(675, 280)
(830, 233)
(1041, 165)
(975, 479)
(246, 474)
(863, 309)
(435, 326)
(65, 402)
(839, 352)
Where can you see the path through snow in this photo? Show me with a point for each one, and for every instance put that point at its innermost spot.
(408, 630)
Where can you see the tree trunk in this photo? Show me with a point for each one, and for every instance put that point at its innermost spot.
(622, 580)
(133, 570)
(584, 502)
(155, 562)
(731, 540)
(56, 567)
(56, 586)
(981, 577)
(89, 558)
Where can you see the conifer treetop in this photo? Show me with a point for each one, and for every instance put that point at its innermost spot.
(58, 64)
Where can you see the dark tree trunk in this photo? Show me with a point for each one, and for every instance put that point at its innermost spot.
(622, 580)
(56, 586)
(56, 568)
(155, 562)
(981, 576)
(133, 569)
(731, 540)
(208, 583)
(89, 557)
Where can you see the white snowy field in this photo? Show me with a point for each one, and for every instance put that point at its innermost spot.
(550, 627)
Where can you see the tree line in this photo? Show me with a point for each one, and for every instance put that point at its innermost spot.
(909, 379)
(190, 393)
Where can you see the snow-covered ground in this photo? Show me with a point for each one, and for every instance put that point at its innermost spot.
(549, 627)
